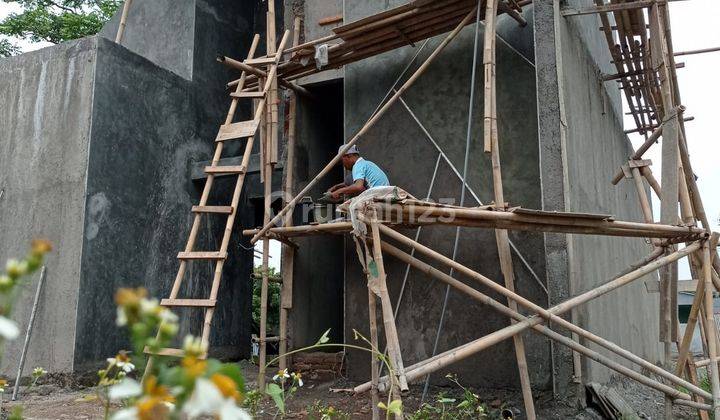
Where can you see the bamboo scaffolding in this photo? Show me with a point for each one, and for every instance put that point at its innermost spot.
(369, 124)
(551, 314)
(486, 300)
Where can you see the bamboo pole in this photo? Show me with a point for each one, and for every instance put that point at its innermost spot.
(711, 329)
(480, 297)
(369, 124)
(490, 111)
(374, 363)
(288, 252)
(390, 328)
(544, 222)
(123, 21)
(270, 86)
(501, 236)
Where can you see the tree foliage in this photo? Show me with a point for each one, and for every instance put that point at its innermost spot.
(54, 21)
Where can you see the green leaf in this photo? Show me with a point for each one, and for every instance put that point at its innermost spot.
(373, 269)
(274, 391)
(395, 407)
(324, 338)
(447, 400)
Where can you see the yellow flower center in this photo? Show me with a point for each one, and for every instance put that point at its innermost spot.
(152, 408)
(130, 297)
(193, 366)
(226, 385)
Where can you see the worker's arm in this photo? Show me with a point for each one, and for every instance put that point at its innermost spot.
(336, 186)
(356, 188)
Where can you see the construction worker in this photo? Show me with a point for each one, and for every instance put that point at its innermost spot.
(365, 175)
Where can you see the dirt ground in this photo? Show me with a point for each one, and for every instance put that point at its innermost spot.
(59, 398)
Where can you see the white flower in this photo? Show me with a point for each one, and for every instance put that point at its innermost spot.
(126, 366)
(16, 268)
(281, 375)
(39, 371)
(193, 345)
(205, 399)
(230, 411)
(127, 388)
(121, 319)
(126, 414)
(149, 306)
(297, 377)
(167, 316)
(8, 328)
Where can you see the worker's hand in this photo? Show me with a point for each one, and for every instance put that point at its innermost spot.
(335, 195)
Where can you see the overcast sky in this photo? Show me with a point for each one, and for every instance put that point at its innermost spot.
(693, 27)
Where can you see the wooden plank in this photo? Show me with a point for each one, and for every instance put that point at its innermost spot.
(330, 20)
(237, 130)
(257, 95)
(639, 163)
(202, 255)
(203, 303)
(212, 209)
(235, 169)
(264, 61)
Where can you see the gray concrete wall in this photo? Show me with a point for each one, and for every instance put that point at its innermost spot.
(46, 120)
(138, 205)
(581, 146)
(162, 31)
(596, 146)
(439, 99)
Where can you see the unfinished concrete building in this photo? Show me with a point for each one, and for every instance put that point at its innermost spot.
(106, 145)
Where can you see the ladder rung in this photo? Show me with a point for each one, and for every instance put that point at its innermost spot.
(237, 130)
(202, 255)
(259, 61)
(203, 303)
(247, 94)
(224, 169)
(212, 209)
(170, 352)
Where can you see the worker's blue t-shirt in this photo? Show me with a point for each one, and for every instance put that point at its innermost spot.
(370, 172)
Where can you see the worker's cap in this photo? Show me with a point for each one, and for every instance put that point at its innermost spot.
(352, 150)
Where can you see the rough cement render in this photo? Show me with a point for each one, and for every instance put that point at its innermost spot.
(581, 139)
(46, 124)
(101, 143)
(596, 147)
(440, 101)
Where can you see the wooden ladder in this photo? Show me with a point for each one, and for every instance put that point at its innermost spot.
(228, 131)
